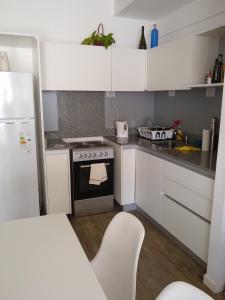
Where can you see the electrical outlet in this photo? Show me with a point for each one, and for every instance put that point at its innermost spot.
(171, 93)
(110, 94)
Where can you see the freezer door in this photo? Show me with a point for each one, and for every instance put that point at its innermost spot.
(18, 170)
(16, 95)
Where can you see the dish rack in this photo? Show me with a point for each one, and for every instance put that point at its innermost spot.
(156, 133)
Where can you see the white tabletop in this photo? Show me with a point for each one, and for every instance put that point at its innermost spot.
(42, 259)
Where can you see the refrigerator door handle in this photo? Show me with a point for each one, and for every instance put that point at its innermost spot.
(9, 123)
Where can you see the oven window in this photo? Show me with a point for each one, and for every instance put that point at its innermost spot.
(81, 176)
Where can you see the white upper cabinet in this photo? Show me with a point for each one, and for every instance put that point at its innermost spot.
(75, 67)
(129, 68)
(181, 63)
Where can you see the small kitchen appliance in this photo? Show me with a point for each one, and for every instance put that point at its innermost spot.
(89, 198)
(121, 129)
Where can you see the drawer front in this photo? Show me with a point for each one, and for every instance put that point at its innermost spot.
(191, 180)
(195, 202)
(188, 228)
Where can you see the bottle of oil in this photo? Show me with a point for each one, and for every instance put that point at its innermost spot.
(142, 44)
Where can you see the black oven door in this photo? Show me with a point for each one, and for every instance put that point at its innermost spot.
(81, 176)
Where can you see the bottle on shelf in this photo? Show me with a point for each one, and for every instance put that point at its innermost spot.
(208, 78)
(216, 71)
(142, 44)
(154, 36)
(221, 68)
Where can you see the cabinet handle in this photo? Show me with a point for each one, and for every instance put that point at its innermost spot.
(88, 166)
(185, 207)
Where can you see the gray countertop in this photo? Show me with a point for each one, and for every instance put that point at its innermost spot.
(201, 162)
(56, 144)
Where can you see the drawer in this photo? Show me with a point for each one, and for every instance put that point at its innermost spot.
(188, 228)
(191, 180)
(195, 202)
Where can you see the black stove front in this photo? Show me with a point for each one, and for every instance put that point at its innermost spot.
(90, 198)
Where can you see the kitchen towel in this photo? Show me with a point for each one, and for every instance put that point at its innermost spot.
(98, 174)
(205, 139)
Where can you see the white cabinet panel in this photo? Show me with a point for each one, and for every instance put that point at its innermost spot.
(124, 174)
(128, 176)
(181, 63)
(75, 67)
(200, 205)
(128, 69)
(191, 180)
(148, 184)
(58, 182)
(188, 228)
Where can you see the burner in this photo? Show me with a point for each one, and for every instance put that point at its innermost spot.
(94, 144)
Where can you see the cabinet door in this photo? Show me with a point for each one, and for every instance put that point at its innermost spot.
(128, 69)
(180, 63)
(148, 184)
(188, 228)
(75, 67)
(128, 176)
(58, 183)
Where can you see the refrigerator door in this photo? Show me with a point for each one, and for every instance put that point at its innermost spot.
(18, 170)
(16, 95)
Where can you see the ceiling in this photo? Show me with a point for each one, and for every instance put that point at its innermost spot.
(151, 9)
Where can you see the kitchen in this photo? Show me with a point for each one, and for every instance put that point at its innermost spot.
(85, 109)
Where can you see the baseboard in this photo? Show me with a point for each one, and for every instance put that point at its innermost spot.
(129, 207)
(210, 283)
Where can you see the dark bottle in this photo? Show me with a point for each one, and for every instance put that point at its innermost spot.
(142, 44)
(216, 71)
(220, 67)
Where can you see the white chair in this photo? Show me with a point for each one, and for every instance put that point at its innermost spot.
(182, 291)
(115, 264)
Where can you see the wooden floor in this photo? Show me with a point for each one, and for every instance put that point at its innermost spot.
(161, 261)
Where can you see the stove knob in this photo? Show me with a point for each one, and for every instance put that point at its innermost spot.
(101, 154)
(90, 155)
(94, 154)
(85, 155)
(81, 155)
(106, 153)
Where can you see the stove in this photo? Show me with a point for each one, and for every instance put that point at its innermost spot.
(88, 149)
(88, 198)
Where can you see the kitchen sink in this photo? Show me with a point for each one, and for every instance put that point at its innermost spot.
(167, 145)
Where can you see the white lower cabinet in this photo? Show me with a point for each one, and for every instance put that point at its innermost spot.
(58, 182)
(148, 184)
(188, 228)
(124, 174)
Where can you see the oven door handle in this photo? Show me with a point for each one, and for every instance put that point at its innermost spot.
(88, 166)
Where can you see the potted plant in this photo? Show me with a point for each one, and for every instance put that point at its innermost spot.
(99, 38)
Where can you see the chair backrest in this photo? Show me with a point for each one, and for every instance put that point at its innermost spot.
(116, 261)
(179, 290)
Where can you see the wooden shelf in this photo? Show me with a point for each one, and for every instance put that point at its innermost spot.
(203, 85)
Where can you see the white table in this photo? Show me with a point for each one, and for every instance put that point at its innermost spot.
(42, 259)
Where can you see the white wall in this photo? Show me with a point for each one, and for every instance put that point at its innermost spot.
(68, 20)
(197, 17)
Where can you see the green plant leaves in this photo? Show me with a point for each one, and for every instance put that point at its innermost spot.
(99, 40)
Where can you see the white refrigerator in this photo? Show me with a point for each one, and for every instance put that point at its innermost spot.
(18, 157)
